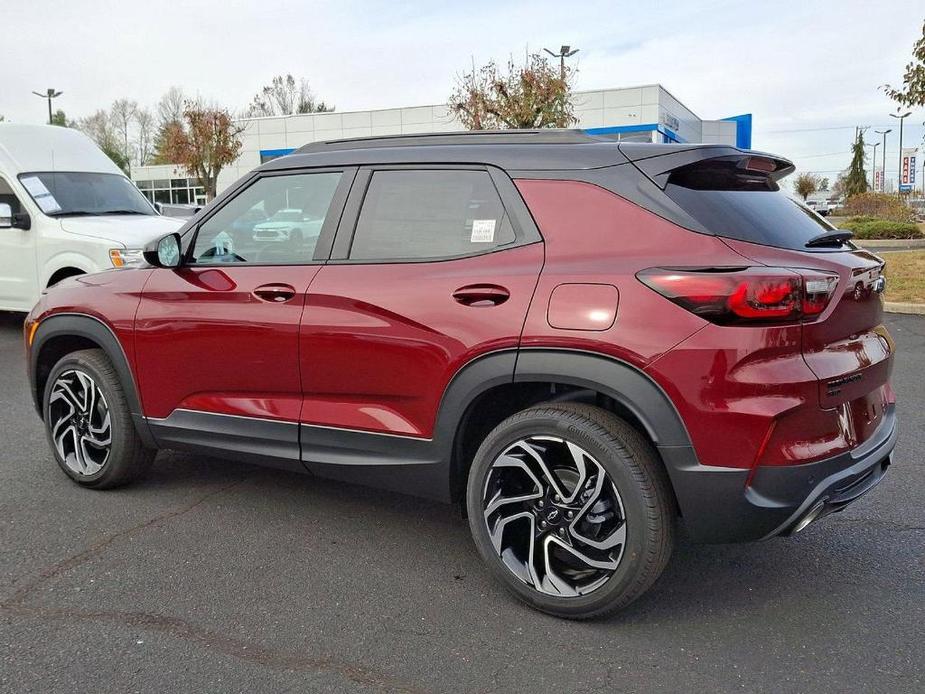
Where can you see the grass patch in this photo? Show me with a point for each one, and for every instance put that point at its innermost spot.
(905, 276)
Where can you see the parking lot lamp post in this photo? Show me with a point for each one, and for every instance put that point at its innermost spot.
(900, 171)
(49, 94)
(564, 52)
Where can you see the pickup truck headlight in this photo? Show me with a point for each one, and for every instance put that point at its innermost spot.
(126, 257)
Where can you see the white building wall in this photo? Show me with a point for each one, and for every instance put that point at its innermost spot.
(605, 108)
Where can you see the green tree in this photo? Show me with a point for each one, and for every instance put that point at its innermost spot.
(59, 118)
(533, 95)
(856, 178)
(912, 92)
(806, 184)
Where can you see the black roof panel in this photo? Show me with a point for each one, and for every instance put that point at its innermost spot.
(521, 150)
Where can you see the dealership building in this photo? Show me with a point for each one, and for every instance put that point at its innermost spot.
(642, 114)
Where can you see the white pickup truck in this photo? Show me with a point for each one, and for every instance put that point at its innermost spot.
(65, 209)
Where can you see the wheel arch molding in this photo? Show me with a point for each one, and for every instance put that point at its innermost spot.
(68, 332)
(628, 386)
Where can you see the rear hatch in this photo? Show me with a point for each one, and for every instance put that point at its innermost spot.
(735, 195)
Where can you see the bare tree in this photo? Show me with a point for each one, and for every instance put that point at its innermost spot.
(170, 107)
(98, 127)
(144, 123)
(122, 114)
(283, 97)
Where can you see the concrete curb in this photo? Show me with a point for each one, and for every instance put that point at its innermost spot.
(903, 307)
(892, 244)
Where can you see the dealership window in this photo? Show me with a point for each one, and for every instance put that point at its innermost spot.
(276, 220)
(175, 191)
(429, 214)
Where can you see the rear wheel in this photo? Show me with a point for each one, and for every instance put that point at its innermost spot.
(571, 510)
(89, 425)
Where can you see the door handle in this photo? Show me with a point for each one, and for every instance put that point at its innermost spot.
(481, 295)
(274, 293)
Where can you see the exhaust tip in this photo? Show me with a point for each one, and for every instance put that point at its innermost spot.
(809, 517)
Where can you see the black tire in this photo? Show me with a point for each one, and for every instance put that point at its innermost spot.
(127, 458)
(642, 487)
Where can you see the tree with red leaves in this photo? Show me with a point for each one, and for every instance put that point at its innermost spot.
(203, 143)
(533, 95)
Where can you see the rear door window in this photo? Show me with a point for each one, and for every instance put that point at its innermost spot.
(429, 214)
(739, 204)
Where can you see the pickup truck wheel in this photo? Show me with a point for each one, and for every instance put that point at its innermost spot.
(89, 425)
(571, 509)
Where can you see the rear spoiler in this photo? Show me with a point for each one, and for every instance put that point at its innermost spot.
(658, 161)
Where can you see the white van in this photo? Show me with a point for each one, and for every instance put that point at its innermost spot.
(65, 209)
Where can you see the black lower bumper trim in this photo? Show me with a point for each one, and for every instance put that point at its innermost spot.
(716, 506)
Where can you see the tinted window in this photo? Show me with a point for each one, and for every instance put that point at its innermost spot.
(429, 214)
(276, 220)
(744, 205)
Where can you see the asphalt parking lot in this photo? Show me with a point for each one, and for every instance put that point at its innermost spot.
(217, 576)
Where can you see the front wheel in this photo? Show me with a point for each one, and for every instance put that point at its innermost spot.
(89, 425)
(571, 509)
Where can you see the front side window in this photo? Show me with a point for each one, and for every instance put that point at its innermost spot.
(430, 214)
(276, 220)
(74, 193)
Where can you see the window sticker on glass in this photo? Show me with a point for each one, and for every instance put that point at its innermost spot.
(483, 231)
(43, 198)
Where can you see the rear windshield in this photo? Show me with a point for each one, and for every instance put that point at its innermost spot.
(739, 204)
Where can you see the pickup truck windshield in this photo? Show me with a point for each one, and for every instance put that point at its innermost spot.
(64, 193)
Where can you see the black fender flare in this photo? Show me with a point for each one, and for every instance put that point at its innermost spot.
(626, 384)
(97, 331)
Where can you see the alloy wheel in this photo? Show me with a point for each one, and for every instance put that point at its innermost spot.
(79, 421)
(554, 516)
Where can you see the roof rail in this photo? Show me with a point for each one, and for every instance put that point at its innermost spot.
(547, 136)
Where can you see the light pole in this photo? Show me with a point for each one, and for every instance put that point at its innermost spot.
(900, 172)
(564, 52)
(49, 94)
(883, 153)
(873, 169)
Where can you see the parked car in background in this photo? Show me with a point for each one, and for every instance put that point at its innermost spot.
(65, 209)
(288, 225)
(180, 210)
(820, 207)
(583, 342)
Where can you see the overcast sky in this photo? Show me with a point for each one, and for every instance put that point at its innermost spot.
(809, 70)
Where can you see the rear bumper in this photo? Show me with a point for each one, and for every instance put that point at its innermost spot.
(717, 507)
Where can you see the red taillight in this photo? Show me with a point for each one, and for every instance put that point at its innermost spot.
(744, 294)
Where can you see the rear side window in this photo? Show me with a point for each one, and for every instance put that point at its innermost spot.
(429, 214)
(734, 202)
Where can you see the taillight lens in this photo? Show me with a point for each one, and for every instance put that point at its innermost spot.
(743, 295)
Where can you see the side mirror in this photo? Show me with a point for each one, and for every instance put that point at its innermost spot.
(165, 252)
(9, 220)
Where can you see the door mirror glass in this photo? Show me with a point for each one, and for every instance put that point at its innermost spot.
(165, 252)
(6, 216)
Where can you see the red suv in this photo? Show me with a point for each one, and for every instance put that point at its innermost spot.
(583, 341)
